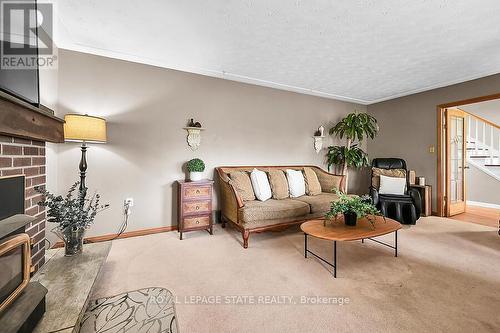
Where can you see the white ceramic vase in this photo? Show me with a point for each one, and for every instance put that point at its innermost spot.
(195, 176)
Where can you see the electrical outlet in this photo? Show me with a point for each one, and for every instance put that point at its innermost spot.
(129, 202)
(432, 149)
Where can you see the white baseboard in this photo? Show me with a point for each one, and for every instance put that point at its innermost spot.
(483, 204)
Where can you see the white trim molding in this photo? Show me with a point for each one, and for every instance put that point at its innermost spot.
(483, 204)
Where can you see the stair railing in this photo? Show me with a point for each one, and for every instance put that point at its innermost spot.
(480, 138)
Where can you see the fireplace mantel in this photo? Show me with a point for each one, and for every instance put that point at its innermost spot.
(20, 119)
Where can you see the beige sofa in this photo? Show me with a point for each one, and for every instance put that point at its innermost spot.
(258, 216)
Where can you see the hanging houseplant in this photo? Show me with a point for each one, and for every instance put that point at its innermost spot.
(354, 128)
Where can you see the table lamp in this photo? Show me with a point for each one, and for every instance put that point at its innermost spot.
(84, 129)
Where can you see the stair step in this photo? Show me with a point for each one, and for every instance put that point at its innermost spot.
(481, 156)
(492, 162)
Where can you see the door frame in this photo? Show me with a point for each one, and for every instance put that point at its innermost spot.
(441, 171)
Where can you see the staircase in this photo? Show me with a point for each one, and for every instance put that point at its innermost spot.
(483, 146)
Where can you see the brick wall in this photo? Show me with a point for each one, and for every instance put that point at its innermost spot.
(27, 157)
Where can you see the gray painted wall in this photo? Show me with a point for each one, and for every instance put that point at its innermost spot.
(408, 125)
(482, 187)
(147, 107)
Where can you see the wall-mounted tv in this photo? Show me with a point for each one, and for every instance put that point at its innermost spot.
(19, 75)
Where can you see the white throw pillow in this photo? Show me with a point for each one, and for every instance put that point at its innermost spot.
(260, 185)
(392, 185)
(296, 183)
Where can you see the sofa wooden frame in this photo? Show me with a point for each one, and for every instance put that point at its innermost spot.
(230, 197)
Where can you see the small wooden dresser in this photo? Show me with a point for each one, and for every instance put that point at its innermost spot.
(195, 206)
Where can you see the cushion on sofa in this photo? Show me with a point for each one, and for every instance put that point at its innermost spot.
(272, 209)
(260, 184)
(241, 182)
(392, 185)
(313, 187)
(279, 184)
(329, 182)
(319, 203)
(296, 183)
(376, 172)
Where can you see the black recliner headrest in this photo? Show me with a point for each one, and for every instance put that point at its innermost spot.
(389, 163)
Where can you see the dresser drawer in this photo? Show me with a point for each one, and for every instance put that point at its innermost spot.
(195, 192)
(195, 207)
(196, 221)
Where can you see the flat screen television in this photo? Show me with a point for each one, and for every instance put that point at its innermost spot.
(11, 196)
(19, 81)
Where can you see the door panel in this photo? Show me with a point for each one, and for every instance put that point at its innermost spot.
(456, 159)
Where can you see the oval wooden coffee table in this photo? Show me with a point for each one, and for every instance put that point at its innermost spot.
(338, 231)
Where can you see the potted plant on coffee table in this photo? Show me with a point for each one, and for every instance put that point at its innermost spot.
(74, 215)
(353, 208)
(195, 167)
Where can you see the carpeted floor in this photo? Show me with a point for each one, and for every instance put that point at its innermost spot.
(446, 279)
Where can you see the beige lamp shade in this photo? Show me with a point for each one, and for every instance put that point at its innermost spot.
(84, 128)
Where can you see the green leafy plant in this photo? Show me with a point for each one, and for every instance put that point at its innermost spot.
(355, 127)
(71, 212)
(195, 165)
(362, 206)
(355, 156)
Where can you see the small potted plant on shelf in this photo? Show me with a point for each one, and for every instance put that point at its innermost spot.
(74, 215)
(353, 208)
(195, 167)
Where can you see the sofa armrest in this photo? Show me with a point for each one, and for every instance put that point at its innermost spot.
(230, 200)
(330, 181)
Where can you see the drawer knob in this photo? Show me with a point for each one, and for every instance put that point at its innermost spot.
(197, 207)
(197, 222)
(197, 191)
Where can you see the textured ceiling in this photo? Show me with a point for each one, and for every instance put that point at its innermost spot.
(362, 51)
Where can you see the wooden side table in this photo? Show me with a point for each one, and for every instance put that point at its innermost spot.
(195, 206)
(426, 195)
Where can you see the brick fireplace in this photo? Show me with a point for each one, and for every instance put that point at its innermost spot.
(27, 157)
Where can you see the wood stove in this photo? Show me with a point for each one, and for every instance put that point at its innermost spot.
(15, 264)
(22, 303)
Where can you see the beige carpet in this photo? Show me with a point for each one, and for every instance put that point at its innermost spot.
(446, 279)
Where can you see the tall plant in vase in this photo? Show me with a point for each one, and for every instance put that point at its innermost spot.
(354, 128)
(73, 214)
